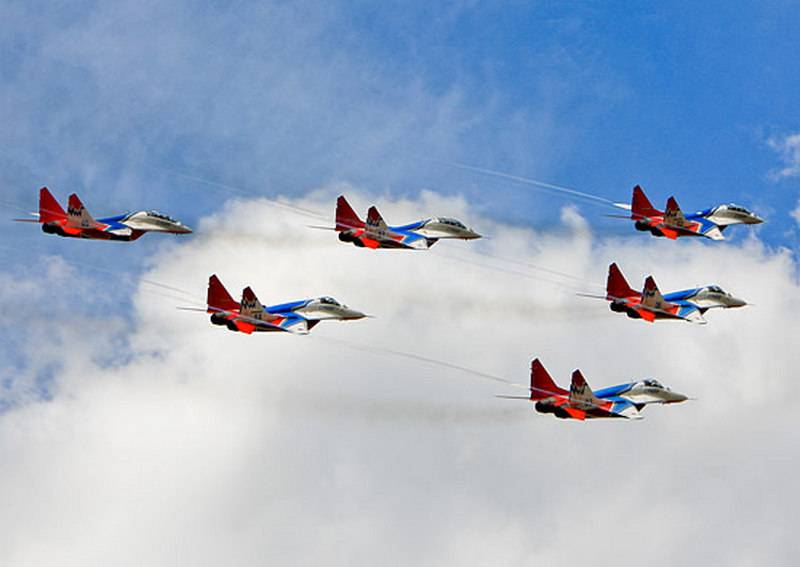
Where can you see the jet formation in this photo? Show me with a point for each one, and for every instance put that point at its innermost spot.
(580, 402)
(672, 223)
(76, 222)
(375, 233)
(248, 315)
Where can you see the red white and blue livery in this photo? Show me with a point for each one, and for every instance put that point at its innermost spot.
(76, 222)
(580, 402)
(375, 233)
(248, 315)
(672, 223)
(687, 305)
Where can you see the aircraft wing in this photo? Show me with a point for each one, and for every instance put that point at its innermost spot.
(714, 233)
(625, 408)
(692, 314)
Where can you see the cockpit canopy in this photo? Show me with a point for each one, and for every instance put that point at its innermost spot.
(737, 208)
(329, 301)
(452, 222)
(716, 289)
(161, 216)
(653, 383)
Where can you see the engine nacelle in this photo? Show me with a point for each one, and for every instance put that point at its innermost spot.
(50, 228)
(643, 226)
(544, 407)
(219, 319)
(347, 237)
(561, 413)
(633, 314)
(617, 307)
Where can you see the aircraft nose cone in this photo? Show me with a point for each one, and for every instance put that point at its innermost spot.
(183, 229)
(472, 235)
(678, 398)
(352, 314)
(756, 219)
(736, 302)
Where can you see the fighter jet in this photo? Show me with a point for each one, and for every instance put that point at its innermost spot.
(688, 305)
(78, 223)
(673, 223)
(580, 402)
(248, 315)
(375, 233)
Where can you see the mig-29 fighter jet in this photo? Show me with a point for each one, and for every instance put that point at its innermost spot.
(649, 304)
(673, 223)
(375, 233)
(76, 222)
(248, 315)
(580, 402)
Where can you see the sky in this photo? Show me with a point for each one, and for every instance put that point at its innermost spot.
(135, 433)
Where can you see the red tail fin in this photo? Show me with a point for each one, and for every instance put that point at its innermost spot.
(374, 217)
(641, 205)
(49, 209)
(617, 286)
(74, 205)
(542, 385)
(218, 297)
(346, 217)
(77, 215)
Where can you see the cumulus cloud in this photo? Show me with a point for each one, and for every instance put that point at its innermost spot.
(788, 150)
(205, 447)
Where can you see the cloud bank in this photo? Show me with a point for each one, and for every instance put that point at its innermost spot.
(199, 446)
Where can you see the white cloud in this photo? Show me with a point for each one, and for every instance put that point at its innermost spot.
(209, 447)
(788, 149)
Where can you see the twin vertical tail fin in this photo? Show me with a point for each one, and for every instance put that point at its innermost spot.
(580, 394)
(218, 298)
(77, 215)
(251, 306)
(641, 207)
(673, 216)
(375, 223)
(542, 385)
(652, 298)
(617, 286)
(346, 217)
(49, 209)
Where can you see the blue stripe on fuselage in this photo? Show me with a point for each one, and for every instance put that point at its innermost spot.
(683, 295)
(613, 391)
(114, 222)
(406, 227)
(286, 307)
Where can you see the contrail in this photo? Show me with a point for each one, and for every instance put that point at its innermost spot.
(557, 188)
(231, 189)
(420, 358)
